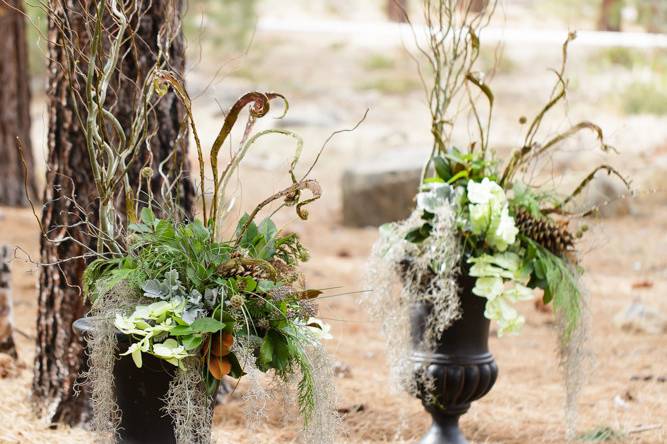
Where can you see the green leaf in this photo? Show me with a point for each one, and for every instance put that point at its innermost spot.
(181, 330)
(147, 216)
(264, 286)
(138, 228)
(207, 325)
(274, 351)
(442, 168)
(460, 175)
(266, 352)
(237, 371)
(249, 284)
(281, 353)
(268, 229)
(192, 342)
(136, 357)
(251, 234)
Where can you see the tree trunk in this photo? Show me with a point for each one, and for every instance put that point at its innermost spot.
(7, 344)
(610, 15)
(397, 10)
(478, 6)
(70, 196)
(14, 107)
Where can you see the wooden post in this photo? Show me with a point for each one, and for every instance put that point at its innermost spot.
(7, 344)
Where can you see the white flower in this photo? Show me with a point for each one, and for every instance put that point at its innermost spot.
(506, 231)
(489, 214)
(488, 287)
(499, 280)
(170, 351)
(481, 217)
(518, 293)
(485, 192)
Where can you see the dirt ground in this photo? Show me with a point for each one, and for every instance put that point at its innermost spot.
(625, 255)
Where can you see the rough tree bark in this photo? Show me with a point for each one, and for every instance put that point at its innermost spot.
(478, 5)
(7, 344)
(396, 10)
(14, 106)
(610, 15)
(59, 356)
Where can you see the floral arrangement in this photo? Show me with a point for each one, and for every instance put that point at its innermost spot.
(202, 296)
(207, 305)
(477, 216)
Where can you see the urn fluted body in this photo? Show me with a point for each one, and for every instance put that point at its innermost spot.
(459, 371)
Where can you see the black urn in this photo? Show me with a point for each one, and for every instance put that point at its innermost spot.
(460, 371)
(140, 394)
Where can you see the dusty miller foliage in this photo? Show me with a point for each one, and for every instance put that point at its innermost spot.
(402, 275)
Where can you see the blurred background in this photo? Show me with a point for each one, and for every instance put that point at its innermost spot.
(336, 59)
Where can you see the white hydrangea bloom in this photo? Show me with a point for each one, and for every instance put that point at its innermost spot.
(170, 351)
(501, 279)
(485, 192)
(489, 214)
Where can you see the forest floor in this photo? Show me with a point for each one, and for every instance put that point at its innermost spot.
(331, 82)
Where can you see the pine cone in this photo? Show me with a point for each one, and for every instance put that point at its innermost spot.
(552, 235)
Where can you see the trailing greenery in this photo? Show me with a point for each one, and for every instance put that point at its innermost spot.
(559, 281)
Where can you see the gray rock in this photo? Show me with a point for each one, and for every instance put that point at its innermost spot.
(382, 190)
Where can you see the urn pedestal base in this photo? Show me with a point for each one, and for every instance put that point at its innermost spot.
(453, 384)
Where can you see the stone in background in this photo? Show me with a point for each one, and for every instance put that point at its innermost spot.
(381, 190)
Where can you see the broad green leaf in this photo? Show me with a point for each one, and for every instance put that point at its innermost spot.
(181, 330)
(147, 216)
(268, 229)
(442, 168)
(249, 284)
(207, 325)
(266, 352)
(191, 342)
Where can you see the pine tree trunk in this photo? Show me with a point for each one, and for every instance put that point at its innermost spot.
(478, 6)
(610, 15)
(59, 355)
(14, 107)
(396, 10)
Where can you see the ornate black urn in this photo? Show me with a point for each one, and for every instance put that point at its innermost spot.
(460, 371)
(140, 395)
